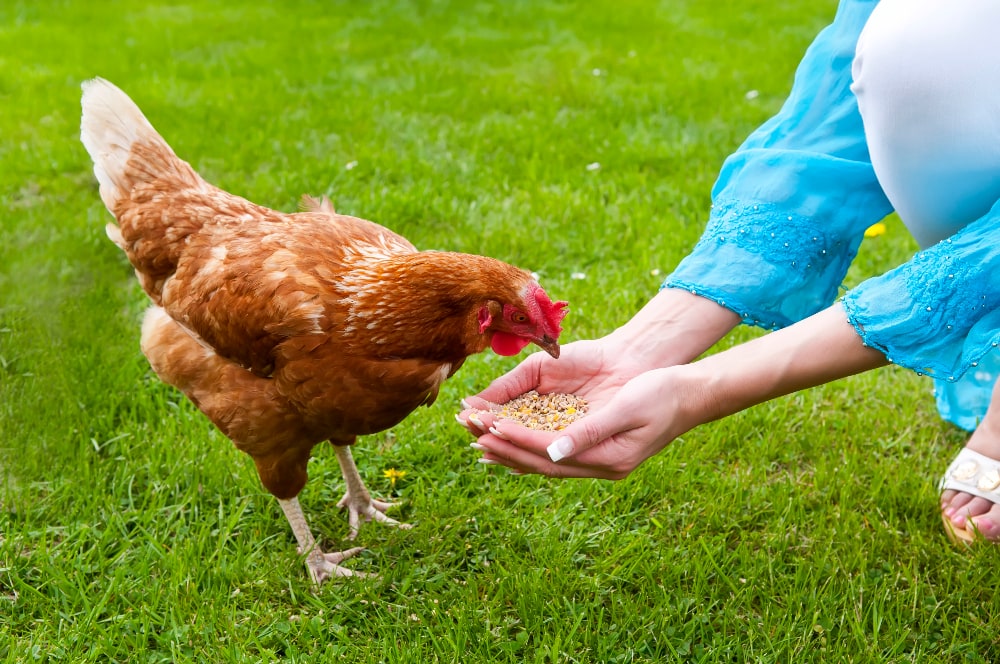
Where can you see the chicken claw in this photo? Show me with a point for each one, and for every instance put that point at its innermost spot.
(323, 566)
(357, 500)
(365, 509)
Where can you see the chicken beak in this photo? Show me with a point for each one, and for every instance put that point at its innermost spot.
(549, 345)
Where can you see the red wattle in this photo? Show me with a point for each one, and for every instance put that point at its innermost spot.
(507, 344)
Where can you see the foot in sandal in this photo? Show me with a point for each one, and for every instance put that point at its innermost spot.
(970, 497)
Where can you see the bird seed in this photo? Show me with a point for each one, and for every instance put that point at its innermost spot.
(546, 412)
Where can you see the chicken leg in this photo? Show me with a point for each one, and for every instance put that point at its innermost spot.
(322, 566)
(357, 500)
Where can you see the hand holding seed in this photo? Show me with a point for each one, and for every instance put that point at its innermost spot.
(523, 421)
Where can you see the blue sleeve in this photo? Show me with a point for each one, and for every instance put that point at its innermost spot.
(791, 205)
(938, 313)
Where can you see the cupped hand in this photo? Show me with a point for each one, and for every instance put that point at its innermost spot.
(628, 421)
(620, 377)
(590, 369)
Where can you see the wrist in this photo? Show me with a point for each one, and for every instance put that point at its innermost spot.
(673, 328)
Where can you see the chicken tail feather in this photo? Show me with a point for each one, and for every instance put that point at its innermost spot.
(124, 146)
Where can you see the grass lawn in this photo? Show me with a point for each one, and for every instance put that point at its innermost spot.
(803, 530)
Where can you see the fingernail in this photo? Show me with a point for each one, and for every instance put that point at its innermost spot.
(477, 447)
(516, 472)
(499, 434)
(560, 448)
(466, 405)
(476, 422)
(458, 418)
(488, 462)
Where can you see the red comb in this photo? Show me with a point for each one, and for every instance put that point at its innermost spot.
(553, 312)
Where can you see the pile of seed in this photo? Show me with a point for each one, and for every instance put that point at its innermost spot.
(547, 412)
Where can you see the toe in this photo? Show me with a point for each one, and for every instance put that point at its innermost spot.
(984, 514)
(953, 503)
(338, 557)
(985, 519)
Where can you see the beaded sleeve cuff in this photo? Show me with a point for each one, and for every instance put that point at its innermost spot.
(939, 313)
(770, 267)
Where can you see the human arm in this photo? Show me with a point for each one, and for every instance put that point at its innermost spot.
(673, 328)
(939, 313)
(791, 204)
(653, 408)
(789, 210)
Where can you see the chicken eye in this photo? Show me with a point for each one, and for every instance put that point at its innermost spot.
(518, 317)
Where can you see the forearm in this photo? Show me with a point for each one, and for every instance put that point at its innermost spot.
(674, 327)
(817, 350)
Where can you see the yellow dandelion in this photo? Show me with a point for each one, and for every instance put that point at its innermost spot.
(875, 230)
(392, 475)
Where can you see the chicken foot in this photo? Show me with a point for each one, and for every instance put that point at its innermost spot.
(357, 500)
(322, 566)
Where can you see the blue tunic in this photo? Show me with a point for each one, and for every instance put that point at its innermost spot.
(789, 211)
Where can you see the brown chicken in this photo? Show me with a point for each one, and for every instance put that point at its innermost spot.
(288, 330)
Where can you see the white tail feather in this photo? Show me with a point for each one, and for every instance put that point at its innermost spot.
(111, 124)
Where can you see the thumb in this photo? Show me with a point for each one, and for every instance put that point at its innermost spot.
(586, 433)
(514, 383)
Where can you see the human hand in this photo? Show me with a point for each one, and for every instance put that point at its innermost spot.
(591, 369)
(672, 329)
(628, 421)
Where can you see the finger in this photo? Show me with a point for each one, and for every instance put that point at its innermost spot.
(522, 461)
(588, 432)
(535, 441)
(497, 446)
(517, 381)
(524, 449)
(469, 419)
(478, 403)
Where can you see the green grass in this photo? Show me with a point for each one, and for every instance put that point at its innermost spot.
(802, 530)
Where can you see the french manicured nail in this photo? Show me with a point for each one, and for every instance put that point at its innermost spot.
(560, 448)
(499, 434)
(488, 462)
(476, 422)
(477, 447)
(516, 472)
(466, 405)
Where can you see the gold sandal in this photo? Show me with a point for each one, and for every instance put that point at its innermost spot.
(976, 474)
